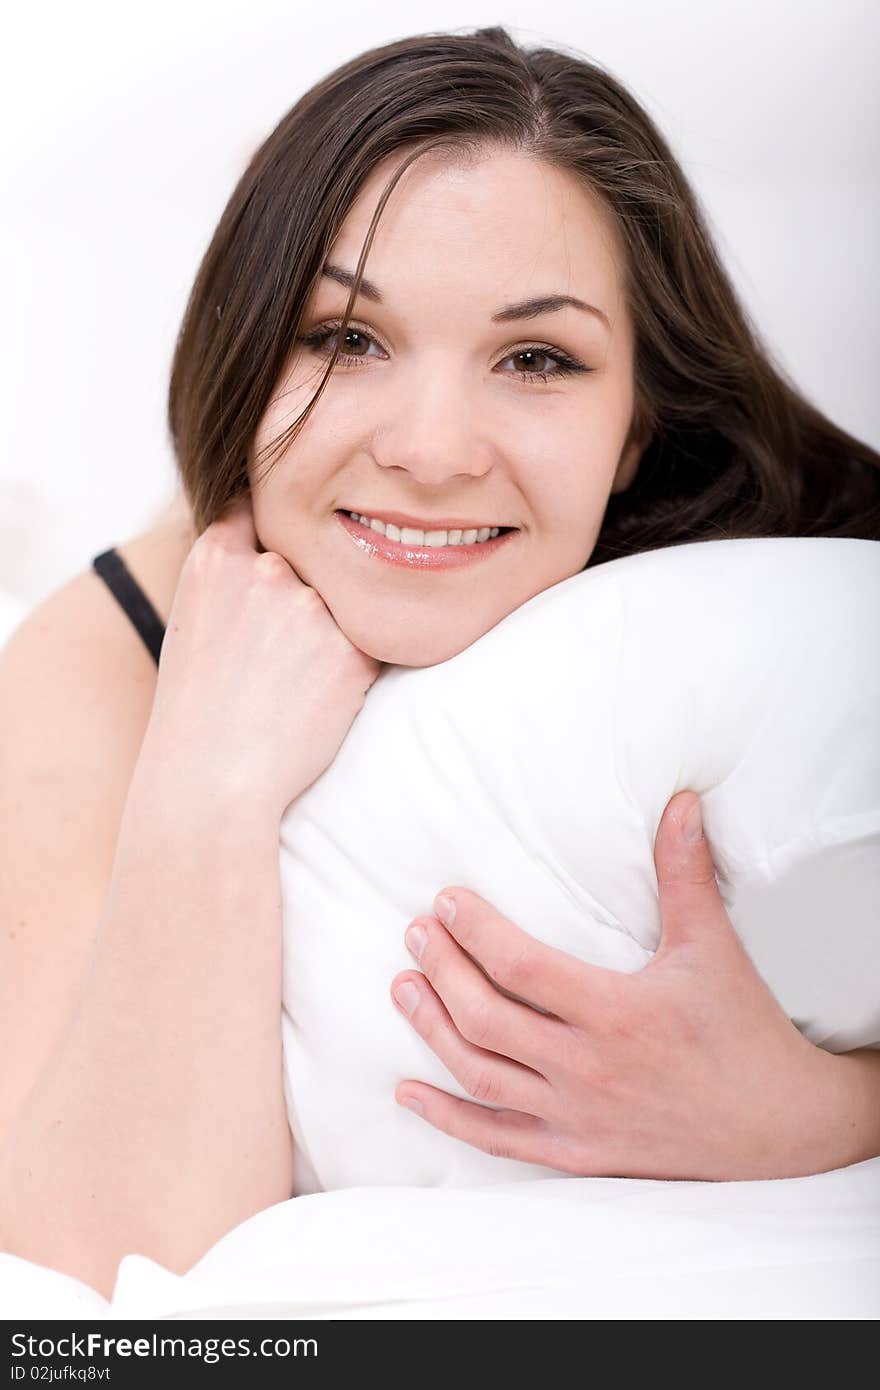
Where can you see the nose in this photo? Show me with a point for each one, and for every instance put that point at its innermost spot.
(431, 436)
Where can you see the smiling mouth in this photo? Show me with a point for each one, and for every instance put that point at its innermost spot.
(431, 553)
(407, 531)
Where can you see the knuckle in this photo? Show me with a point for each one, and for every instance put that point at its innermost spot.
(203, 568)
(475, 1023)
(272, 566)
(309, 604)
(208, 550)
(219, 536)
(315, 607)
(212, 537)
(497, 1145)
(515, 973)
(481, 1085)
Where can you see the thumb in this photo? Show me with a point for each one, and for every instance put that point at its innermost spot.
(690, 902)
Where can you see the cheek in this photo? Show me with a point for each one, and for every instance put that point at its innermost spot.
(289, 401)
(569, 492)
(573, 443)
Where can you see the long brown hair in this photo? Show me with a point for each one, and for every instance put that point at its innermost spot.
(735, 449)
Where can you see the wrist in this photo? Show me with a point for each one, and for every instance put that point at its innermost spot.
(844, 1111)
(171, 790)
(858, 1077)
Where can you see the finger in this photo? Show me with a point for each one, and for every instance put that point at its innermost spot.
(690, 902)
(236, 524)
(501, 1133)
(481, 1013)
(483, 1075)
(541, 975)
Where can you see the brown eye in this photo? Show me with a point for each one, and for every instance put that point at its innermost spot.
(565, 365)
(528, 357)
(324, 339)
(352, 334)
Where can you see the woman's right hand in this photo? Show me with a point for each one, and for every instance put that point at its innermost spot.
(258, 685)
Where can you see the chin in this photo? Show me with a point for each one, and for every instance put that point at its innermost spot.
(407, 648)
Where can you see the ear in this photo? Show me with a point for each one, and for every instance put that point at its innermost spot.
(628, 466)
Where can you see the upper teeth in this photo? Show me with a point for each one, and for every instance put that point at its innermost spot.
(409, 535)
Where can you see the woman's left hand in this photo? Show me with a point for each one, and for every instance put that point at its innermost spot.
(688, 1068)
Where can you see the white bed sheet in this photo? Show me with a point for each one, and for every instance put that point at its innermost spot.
(583, 1248)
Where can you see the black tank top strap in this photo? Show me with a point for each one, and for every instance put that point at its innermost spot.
(132, 599)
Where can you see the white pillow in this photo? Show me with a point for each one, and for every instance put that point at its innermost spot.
(534, 767)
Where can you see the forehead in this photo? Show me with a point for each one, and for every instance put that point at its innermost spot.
(496, 224)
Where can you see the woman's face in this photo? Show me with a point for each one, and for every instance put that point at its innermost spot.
(438, 412)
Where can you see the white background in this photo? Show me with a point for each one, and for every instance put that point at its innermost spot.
(124, 131)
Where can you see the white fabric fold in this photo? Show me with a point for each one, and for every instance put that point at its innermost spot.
(613, 1248)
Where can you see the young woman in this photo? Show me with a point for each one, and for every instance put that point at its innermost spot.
(546, 347)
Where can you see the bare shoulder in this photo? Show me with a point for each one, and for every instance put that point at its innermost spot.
(77, 657)
(76, 689)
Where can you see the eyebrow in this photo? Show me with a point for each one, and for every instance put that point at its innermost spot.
(525, 309)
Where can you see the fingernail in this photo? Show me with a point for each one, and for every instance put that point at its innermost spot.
(445, 909)
(412, 1104)
(692, 828)
(416, 939)
(407, 996)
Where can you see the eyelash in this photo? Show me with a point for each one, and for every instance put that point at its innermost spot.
(566, 366)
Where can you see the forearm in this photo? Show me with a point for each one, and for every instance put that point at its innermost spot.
(160, 1122)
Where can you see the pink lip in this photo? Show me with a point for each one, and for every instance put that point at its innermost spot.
(424, 557)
